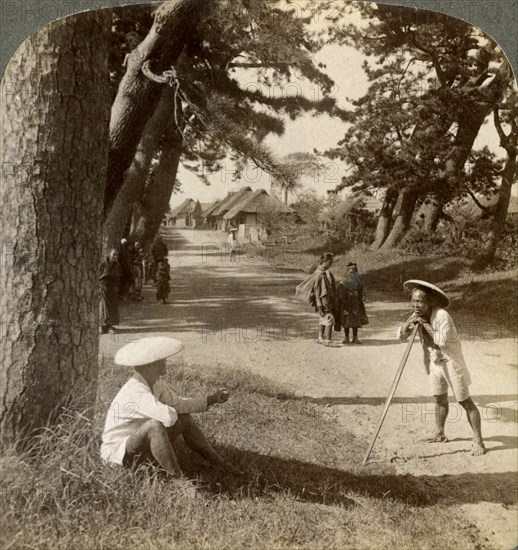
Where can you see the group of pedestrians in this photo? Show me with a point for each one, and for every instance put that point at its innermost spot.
(123, 274)
(339, 305)
(342, 305)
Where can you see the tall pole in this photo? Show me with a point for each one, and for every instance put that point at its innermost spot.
(392, 391)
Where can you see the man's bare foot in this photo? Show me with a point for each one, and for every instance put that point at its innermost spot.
(437, 438)
(478, 449)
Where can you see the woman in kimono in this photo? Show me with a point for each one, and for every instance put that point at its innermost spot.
(162, 281)
(350, 292)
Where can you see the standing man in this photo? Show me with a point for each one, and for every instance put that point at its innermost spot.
(232, 242)
(108, 293)
(325, 301)
(137, 269)
(443, 358)
(126, 267)
(146, 415)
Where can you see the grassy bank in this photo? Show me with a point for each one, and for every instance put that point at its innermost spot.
(305, 486)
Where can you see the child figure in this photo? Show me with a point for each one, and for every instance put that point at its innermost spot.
(163, 277)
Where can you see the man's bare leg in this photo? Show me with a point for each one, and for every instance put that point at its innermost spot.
(196, 440)
(475, 423)
(152, 437)
(441, 413)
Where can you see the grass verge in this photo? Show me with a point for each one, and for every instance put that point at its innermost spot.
(305, 487)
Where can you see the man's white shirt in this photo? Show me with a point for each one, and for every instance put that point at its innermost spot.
(135, 404)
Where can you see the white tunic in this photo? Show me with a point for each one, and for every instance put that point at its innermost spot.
(133, 405)
(446, 338)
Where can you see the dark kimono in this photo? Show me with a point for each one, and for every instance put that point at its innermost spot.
(162, 281)
(351, 302)
(109, 289)
(325, 295)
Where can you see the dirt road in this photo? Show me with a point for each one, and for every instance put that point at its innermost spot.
(244, 315)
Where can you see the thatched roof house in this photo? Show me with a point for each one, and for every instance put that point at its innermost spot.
(182, 215)
(253, 205)
(352, 206)
(227, 204)
(470, 211)
(188, 214)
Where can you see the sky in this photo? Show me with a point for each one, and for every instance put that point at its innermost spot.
(344, 66)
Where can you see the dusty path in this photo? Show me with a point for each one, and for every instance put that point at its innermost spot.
(244, 315)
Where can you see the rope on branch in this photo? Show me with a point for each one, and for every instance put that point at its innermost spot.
(170, 77)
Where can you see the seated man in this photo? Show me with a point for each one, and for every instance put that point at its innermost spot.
(146, 415)
(443, 358)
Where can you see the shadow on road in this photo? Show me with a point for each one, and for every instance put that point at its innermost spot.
(318, 484)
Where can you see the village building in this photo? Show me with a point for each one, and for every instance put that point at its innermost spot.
(225, 205)
(353, 209)
(472, 212)
(188, 214)
(249, 213)
(209, 220)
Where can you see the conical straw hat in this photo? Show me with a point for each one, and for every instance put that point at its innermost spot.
(441, 298)
(147, 350)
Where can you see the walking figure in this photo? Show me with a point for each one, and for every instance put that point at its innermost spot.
(162, 281)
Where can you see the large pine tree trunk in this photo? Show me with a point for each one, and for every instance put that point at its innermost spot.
(135, 180)
(137, 96)
(500, 215)
(54, 141)
(403, 211)
(384, 219)
(430, 212)
(504, 194)
(150, 210)
(470, 118)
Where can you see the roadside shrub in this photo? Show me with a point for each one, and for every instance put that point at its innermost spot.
(462, 240)
(351, 230)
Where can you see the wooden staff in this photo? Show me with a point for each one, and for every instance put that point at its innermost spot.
(392, 390)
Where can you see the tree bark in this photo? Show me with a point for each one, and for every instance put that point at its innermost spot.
(137, 96)
(150, 210)
(470, 119)
(54, 139)
(499, 217)
(510, 144)
(404, 210)
(430, 212)
(135, 180)
(384, 219)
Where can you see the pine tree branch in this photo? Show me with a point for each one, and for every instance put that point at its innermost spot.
(504, 139)
(260, 65)
(441, 75)
(476, 201)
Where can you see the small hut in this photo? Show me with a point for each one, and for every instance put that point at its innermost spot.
(227, 204)
(182, 215)
(353, 209)
(247, 213)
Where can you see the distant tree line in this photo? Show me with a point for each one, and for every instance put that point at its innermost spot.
(434, 82)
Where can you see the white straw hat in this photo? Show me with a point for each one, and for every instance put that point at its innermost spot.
(440, 297)
(147, 350)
